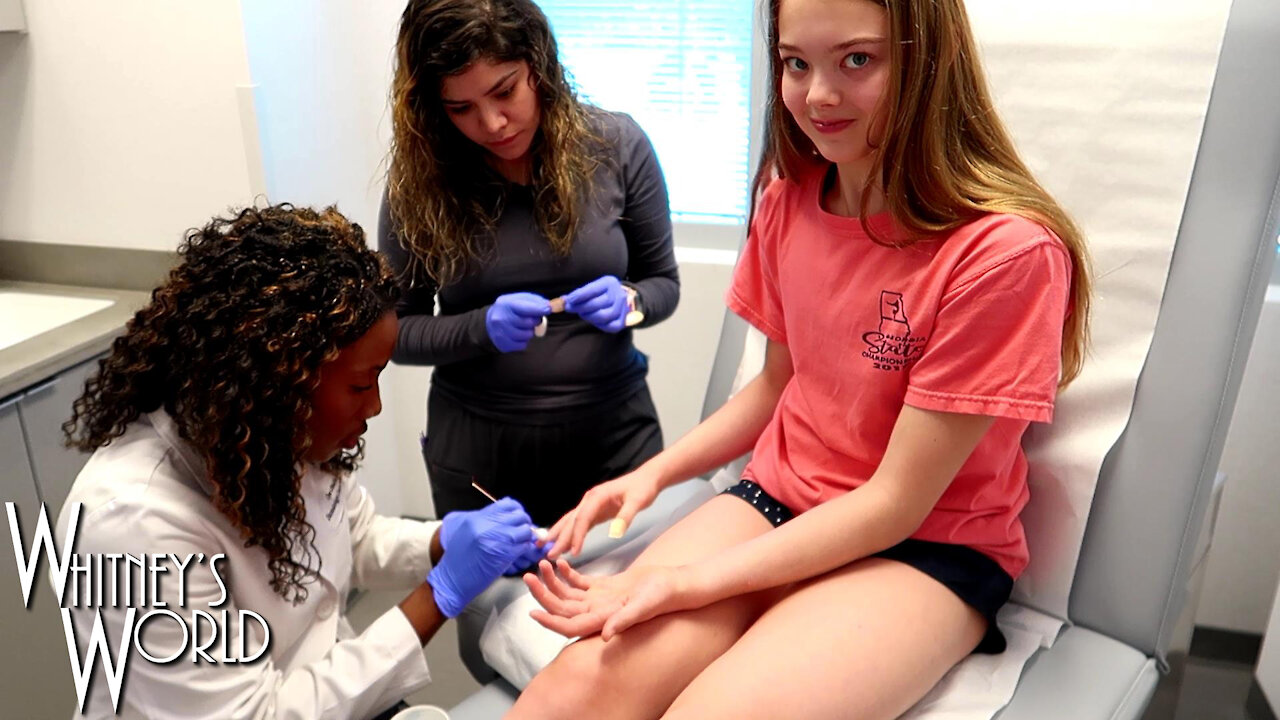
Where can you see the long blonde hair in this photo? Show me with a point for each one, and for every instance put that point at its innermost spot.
(442, 198)
(945, 158)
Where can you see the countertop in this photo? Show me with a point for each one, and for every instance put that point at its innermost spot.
(45, 355)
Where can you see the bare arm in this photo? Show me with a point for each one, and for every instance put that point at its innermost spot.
(732, 430)
(926, 450)
(727, 434)
(419, 608)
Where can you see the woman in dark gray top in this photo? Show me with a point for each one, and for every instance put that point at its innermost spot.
(508, 199)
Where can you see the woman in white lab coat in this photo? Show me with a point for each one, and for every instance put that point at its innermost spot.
(226, 422)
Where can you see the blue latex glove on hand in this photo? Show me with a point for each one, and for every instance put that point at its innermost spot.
(526, 561)
(479, 546)
(601, 302)
(511, 319)
(529, 560)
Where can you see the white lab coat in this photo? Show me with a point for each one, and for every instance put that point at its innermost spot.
(147, 492)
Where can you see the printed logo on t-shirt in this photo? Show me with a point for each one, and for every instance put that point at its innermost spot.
(892, 347)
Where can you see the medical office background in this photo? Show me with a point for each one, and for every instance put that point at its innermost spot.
(122, 123)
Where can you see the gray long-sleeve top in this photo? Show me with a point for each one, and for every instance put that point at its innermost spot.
(625, 232)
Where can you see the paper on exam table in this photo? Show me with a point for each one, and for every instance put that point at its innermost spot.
(981, 684)
(1106, 100)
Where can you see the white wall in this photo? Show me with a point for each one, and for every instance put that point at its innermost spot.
(321, 70)
(119, 123)
(1244, 561)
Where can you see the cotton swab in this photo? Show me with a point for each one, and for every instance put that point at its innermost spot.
(540, 533)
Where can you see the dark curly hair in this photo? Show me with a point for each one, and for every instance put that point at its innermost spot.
(231, 346)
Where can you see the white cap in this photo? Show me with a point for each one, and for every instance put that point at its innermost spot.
(422, 712)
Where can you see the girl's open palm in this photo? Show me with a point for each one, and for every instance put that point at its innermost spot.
(577, 605)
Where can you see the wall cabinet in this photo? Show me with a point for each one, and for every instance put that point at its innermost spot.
(12, 16)
(36, 467)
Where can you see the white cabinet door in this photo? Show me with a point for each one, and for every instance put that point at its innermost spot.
(35, 671)
(11, 15)
(43, 409)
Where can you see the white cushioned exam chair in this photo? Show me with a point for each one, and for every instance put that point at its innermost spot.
(1144, 531)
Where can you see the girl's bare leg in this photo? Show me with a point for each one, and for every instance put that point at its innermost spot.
(861, 643)
(636, 675)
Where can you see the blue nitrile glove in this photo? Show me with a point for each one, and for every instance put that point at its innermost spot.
(601, 302)
(528, 560)
(479, 546)
(511, 319)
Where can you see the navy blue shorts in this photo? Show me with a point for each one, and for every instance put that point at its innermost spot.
(975, 578)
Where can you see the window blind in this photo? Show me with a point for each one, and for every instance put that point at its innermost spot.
(682, 69)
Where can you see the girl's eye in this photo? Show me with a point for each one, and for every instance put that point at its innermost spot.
(361, 388)
(507, 92)
(856, 60)
(457, 109)
(795, 64)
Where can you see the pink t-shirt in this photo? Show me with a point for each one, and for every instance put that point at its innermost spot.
(969, 324)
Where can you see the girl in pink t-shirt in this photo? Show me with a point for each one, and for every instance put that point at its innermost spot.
(924, 299)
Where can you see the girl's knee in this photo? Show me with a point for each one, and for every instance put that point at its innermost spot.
(570, 687)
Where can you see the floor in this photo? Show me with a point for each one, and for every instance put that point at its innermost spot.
(1208, 689)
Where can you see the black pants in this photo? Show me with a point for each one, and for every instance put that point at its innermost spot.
(547, 467)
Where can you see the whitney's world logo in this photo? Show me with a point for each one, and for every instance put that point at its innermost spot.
(125, 584)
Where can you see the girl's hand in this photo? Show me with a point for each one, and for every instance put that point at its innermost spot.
(619, 499)
(581, 605)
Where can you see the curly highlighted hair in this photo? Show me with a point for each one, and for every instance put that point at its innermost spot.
(441, 195)
(231, 346)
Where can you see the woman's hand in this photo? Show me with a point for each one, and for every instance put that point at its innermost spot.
(580, 605)
(602, 302)
(619, 499)
(479, 545)
(512, 319)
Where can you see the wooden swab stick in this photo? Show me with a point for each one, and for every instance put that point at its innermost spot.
(483, 491)
(540, 532)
